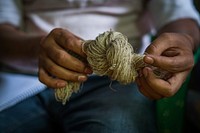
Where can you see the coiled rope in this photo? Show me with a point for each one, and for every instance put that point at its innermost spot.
(109, 54)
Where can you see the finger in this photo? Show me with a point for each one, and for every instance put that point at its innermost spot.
(169, 53)
(145, 93)
(68, 41)
(66, 60)
(171, 64)
(162, 87)
(62, 73)
(62, 58)
(178, 79)
(142, 90)
(148, 89)
(163, 43)
(165, 88)
(49, 80)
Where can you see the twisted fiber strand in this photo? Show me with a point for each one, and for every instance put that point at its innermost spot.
(109, 54)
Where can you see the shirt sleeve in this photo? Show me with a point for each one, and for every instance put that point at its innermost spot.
(165, 11)
(10, 12)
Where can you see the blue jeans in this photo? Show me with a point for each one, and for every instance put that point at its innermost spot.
(97, 108)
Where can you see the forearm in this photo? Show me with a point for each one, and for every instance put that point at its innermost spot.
(18, 49)
(185, 26)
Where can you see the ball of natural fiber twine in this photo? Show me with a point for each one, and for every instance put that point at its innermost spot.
(109, 54)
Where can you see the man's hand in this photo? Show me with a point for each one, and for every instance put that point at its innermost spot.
(56, 64)
(171, 52)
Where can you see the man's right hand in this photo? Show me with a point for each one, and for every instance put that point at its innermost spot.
(56, 64)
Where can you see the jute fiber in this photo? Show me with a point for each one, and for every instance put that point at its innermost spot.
(110, 54)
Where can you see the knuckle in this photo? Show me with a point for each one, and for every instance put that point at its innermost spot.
(69, 41)
(152, 48)
(46, 79)
(60, 56)
(41, 77)
(80, 67)
(176, 66)
(51, 69)
(56, 31)
(53, 83)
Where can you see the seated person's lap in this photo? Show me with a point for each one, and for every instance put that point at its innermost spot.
(100, 106)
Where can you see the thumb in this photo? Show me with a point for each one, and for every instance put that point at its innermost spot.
(170, 64)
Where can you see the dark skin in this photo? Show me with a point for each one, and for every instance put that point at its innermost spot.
(18, 49)
(172, 51)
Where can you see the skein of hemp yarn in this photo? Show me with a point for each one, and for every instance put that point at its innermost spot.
(110, 54)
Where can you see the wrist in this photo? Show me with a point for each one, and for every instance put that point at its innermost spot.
(31, 45)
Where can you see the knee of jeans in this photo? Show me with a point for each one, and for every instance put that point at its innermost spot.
(128, 120)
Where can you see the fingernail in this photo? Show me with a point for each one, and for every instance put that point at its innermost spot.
(82, 78)
(148, 60)
(61, 84)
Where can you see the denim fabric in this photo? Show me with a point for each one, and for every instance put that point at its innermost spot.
(101, 106)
